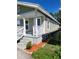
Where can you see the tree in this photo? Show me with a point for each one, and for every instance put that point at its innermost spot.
(57, 15)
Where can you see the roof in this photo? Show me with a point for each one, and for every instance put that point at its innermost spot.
(37, 6)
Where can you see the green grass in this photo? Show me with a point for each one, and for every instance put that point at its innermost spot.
(48, 52)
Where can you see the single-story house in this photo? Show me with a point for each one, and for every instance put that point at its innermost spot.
(33, 21)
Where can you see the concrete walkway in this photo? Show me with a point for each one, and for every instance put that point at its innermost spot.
(22, 55)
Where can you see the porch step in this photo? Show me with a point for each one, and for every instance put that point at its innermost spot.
(23, 42)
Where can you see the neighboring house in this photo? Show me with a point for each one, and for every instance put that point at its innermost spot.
(33, 21)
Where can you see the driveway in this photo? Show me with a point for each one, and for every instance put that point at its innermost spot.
(22, 55)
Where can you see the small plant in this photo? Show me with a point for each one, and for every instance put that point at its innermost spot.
(29, 45)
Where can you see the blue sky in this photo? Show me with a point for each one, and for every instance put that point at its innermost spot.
(49, 5)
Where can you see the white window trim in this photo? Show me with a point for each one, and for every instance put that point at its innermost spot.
(40, 20)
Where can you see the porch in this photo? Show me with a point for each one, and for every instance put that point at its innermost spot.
(30, 27)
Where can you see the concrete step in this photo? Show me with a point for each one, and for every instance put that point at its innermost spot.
(23, 42)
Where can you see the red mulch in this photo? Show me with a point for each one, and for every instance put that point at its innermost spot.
(36, 47)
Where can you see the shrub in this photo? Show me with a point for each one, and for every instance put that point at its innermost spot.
(29, 45)
(55, 38)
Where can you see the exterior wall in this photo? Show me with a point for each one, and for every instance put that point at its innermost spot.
(42, 25)
(34, 40)
(40, 15)
(46, 29)
(52, 26)
(44, 20)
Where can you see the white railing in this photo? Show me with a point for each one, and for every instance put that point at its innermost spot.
(20, 33)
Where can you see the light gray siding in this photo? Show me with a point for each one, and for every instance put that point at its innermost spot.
(52, 26)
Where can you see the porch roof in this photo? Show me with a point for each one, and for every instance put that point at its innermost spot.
(19, 17)
(37, 6)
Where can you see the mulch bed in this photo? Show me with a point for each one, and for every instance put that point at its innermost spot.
(35, 47)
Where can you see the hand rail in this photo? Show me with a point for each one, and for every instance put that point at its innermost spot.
(20, 29)
(20, 33)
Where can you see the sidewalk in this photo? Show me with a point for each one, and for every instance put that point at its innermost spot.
(22, 55)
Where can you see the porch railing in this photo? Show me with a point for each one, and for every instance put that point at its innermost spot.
(20, 33)
(39, 29)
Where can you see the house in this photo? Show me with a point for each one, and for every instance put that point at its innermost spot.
(33, 21)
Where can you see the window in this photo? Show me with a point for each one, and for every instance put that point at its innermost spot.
(19, 22)
(38, 22)
(27, 24)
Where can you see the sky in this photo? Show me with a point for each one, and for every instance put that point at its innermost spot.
(50, 5)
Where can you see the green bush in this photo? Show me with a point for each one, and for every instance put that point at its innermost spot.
(29, 45)
(55, 38)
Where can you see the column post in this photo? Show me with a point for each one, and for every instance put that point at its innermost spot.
(24, 26)
(44, 25)
(36, 26)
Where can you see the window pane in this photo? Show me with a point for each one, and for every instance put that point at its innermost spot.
(26, 22)
(38, 22)
(18, 22)
(26, 26)
(21, 22)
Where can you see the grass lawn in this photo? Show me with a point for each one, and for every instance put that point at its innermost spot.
(48, 52)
